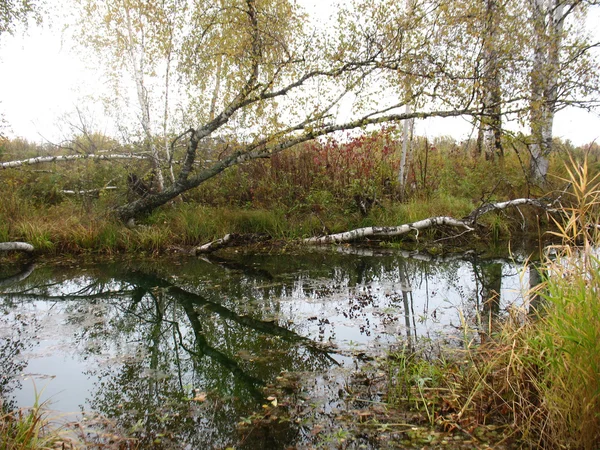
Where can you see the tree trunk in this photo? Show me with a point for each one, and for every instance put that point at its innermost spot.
(138, 75)
(467, 223)
(374, 232)
(490, 126)
(406, 143)
(265, 148)
(548, 22)
(16, 246)
(45, 159)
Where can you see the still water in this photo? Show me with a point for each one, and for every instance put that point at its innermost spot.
(179, 351)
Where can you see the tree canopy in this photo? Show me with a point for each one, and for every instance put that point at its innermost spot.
(260, 77)
(13, 12)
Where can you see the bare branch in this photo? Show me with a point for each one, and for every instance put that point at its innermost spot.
(45, 159)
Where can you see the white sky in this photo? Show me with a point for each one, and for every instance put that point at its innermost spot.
(42, 80)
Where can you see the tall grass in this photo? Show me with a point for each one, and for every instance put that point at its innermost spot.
(544, 372)
(566, 338)
(28, 429)
(312, 189)
(537, 375)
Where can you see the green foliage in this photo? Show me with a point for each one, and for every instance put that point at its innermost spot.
(411, 379)
(37, 234)
(13, 12)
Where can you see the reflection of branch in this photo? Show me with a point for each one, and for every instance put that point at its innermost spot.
(31, 296)
(257, 325)
(149, 281)
(205, 349)
(27, 270)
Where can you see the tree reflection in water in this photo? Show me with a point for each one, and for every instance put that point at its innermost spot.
(17, 333)
(179, 353)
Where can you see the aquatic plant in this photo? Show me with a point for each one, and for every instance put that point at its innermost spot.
(28, 428)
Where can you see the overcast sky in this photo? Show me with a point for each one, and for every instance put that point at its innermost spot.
(42, 80)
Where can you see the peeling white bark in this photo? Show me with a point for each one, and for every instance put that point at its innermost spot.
(468, 223)
(44, 159)
(231, 239)
(215, 245)
(368, 232)
(88, 191)
(487, 207)
(16, 246)
(406, 143)
(490, 128)
(138, 75)
(548, 18)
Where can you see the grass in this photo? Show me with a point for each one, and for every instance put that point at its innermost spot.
(536, 378)
(28, 429)
(307, 191)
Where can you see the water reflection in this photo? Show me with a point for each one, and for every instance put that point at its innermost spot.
(180, 351)
(17, 334)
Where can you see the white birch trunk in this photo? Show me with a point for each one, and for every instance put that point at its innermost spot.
(215, 245)
(16, 246)
(406, 129)
(45, 159)
(166, 114)
(467, 223)
(138, 75)
(372, 232)
(491, 122)
(217, 89)
(548, 18)
(406, 144)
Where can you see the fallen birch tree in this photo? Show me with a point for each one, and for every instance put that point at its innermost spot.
(16, 246)
(59, 158)
(468, 223)
(91, 192)
(230, 240)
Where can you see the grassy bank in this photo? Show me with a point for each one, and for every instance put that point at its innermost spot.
(313, 189)
(64, 229)
(535, 382)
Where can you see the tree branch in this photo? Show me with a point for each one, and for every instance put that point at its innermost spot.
(16, 246)
(44, 159)
(467, 223)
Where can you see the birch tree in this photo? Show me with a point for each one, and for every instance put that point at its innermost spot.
(563, 72)
(139, 39)
(254, 74)
(548, 23)
(490, 125)
(13, 12)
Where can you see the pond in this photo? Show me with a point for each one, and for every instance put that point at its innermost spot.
(179, 351)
